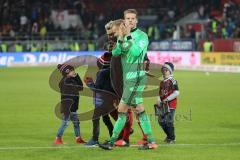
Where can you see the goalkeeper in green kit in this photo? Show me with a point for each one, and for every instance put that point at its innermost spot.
(132, 46)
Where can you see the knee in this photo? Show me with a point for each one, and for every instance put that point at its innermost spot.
(122, 108)
(106, 120)
(161, 122)
(76, 123)
(140, 108)
(65, 123)
(122, 117)
(169, 124)
(170, 121)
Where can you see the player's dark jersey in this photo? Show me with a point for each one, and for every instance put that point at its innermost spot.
(167, 87)
(101, 87)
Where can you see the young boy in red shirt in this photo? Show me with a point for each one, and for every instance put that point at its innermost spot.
(167, 102)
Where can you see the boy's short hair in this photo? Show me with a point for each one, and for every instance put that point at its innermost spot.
(134, 11)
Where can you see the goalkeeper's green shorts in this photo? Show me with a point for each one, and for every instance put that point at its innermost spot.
(132, 91)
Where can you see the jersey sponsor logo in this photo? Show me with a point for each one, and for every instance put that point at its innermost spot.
(126, 45)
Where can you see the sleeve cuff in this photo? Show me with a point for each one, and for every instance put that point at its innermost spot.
(129, 37)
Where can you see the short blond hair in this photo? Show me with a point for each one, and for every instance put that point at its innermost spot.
(117, 22)
(110, 24)
(134, 11)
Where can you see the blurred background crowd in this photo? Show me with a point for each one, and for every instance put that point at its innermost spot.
(74, 25)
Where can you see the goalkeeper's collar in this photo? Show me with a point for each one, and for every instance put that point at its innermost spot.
(134, 29)
(170, 76)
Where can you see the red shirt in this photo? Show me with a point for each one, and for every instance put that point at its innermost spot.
(167, 87)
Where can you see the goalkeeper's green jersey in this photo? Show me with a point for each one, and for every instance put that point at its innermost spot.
(132, 51)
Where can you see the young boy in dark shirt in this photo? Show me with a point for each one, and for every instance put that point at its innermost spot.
(70, 85)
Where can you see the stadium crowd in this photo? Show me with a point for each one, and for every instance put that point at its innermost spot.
(61, 24)
(229, 25)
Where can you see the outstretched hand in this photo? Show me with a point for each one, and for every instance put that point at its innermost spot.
(88, 80)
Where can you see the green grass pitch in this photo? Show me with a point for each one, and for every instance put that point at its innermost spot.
(207, 121)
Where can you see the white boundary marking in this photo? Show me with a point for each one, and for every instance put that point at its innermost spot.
(82, 146)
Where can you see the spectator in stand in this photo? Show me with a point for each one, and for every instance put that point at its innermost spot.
(192, 33)
(230, 27)
(43, 31)
(207, 45)
(153, 32)
(201, 12)
(171, 13)
(35, 28)
(3, 47)
(236, 33)
(176, 33)
(214, 24)
(23, 22)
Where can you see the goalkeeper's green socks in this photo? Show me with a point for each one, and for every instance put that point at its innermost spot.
(122, 117)
(146, 126)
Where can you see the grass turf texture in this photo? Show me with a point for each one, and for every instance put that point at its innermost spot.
(27, 120)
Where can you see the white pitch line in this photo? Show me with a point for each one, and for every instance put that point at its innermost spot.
(199, 144)
(40, 147)
(82, 146)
